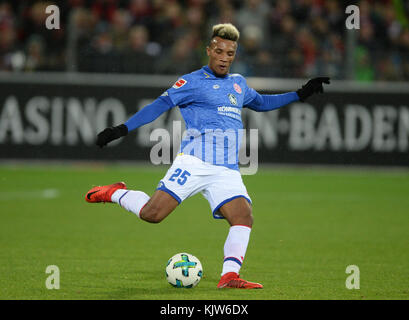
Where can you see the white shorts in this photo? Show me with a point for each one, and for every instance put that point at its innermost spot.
(189, 175)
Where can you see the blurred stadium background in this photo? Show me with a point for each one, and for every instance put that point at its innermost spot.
(286, 39)
(59, 88)
(111, 57)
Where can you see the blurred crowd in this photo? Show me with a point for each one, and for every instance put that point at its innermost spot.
(279, 38)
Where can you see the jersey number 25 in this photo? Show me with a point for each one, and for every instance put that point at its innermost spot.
(182, 176)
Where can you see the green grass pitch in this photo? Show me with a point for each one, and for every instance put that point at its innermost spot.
(309, 225)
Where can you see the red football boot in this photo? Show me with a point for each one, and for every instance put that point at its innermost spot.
(232, 280)
(103, 193)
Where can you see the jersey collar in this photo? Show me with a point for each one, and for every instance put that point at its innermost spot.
(209, 73)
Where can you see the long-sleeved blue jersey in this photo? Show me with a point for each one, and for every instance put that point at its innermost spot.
(211, 107)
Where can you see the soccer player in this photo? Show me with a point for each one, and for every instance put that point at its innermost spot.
(210, 100)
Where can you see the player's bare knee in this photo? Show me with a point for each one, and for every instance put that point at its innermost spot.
(249, 218)
(244, 217)
(152, 214)
(152, 218)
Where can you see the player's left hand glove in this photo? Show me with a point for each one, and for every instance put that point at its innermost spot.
(110, 134)
(311, 87)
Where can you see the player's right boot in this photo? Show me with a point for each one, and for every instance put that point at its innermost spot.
(103, 193)
(233, 280)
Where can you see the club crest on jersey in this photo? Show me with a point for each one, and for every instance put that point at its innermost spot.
(233, 99)
(179, 83)
(237, 88)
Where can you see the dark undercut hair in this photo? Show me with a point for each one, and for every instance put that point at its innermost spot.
(226, 31)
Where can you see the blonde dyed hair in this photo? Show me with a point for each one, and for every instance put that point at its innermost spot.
(226, 31)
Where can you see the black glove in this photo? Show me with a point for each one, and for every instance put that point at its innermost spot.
(311, 87)
(111, 133)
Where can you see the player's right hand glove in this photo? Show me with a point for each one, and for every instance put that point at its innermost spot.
(111, 133)
(311, 87)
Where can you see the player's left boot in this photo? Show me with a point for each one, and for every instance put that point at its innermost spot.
(233, 280)
(103, 193)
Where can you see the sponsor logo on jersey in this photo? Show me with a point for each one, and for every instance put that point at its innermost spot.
(229, 109)
(233, 99)
(237, 88)
(180, 83)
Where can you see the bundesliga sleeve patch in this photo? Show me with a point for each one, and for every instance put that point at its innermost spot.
(180, 83)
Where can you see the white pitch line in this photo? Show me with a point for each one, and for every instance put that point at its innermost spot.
(35, 194)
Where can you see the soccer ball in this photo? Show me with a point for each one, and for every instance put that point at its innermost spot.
(184, 270)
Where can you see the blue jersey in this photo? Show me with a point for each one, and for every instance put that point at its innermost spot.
(211, 107)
